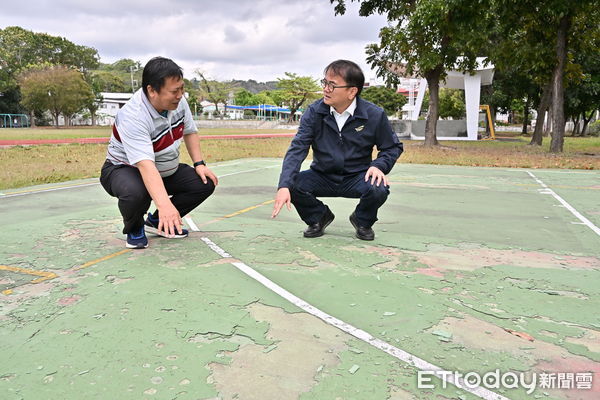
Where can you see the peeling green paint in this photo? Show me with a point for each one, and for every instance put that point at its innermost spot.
(463, 257)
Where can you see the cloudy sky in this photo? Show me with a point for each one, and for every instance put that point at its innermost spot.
(226, 39)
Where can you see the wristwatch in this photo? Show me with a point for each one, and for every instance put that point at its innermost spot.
(201, 162)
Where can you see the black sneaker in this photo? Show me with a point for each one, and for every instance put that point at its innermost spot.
(137, 240)
(151, 226)
(362, 232)
(318, 229)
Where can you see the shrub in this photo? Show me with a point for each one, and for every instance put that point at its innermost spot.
(593, 129)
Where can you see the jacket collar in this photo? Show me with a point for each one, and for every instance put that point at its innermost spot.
(359, 112)
(350, 109)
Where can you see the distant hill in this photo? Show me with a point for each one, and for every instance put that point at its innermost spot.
(118, 77)
(255, 87)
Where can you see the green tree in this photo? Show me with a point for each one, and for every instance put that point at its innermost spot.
(92, 103)
(243, 98)
(582, 97)
(108, 81)
(297, 91)
(193, 101)
(276, 95)
(386, 98)
(428, 37)
(57, 89)
(9, 93)
(216, 92)
(263, 98)
(558, 30)
(452, 103)
(21, 48)
(123, 65)
(124, 75)
(523, 61)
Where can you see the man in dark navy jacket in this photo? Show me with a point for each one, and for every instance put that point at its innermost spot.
(342, 129)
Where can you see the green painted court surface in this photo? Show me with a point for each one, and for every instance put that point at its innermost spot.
(471, 270)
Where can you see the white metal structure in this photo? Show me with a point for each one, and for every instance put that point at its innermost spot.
(471, 84)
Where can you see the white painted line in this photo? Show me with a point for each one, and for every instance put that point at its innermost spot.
(569, 172)
(189, 220)
(191, 223)
(34, 191)
(223, 164)
(576, 213)
(216, 248)
(246, 162)
(550, 171)
(358, 333)
(248, 170)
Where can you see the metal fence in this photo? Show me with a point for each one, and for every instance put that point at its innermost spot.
(14, 121)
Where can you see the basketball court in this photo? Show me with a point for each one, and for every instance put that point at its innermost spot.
(472, 271)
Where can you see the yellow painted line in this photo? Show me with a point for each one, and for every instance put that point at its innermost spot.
(108, 257)
(49, 188)
(248, 209)
(50, 275)
(212, 221)
(43, 275)
(118, 253)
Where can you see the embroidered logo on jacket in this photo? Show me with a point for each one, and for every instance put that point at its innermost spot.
(359, 128)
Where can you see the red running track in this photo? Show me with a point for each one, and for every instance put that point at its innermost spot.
(32, 142)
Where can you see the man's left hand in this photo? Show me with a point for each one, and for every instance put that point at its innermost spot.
(204, 172)
(376, 176)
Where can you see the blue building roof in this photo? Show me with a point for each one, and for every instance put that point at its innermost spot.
(260, 107)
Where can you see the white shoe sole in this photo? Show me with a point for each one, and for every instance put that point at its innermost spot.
(131, 246)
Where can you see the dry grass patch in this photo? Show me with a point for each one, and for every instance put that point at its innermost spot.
(31, 165)
(580, 153)
(105, 131)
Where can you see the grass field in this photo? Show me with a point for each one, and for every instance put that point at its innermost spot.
(102, 131)
(30, 165)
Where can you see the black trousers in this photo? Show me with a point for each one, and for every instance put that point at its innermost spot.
(310, 184)
(125, 183)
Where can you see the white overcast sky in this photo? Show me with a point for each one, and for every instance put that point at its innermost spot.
(226, 39)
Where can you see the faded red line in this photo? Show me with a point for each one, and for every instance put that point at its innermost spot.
(33, 142)
(27, 142)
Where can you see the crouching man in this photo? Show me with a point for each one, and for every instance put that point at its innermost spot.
(342, 130)
(142, 160)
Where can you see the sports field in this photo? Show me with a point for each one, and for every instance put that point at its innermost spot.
(472, 271)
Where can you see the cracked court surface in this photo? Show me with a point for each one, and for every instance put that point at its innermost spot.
(472, 270)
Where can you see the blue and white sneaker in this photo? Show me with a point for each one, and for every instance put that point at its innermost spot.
(151, 226)
(137, 240)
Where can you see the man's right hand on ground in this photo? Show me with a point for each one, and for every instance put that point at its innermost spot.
(283, 197)
(169, 220)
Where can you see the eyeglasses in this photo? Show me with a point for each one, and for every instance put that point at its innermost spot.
(325, 84)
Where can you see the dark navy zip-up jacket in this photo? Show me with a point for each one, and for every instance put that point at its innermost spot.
(339, 154)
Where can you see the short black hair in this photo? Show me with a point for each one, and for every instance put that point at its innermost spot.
(155, 72)
(348, 70)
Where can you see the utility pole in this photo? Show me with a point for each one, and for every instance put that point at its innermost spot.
(132, 69)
